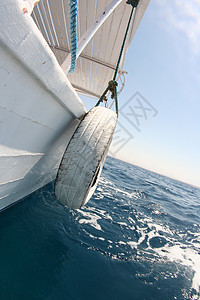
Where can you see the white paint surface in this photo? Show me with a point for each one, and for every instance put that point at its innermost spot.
(39, 110)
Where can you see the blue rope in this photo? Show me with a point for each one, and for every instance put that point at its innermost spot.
(73, 33)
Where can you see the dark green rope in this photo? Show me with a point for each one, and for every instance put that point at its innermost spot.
(102, 97)
(112, 85)
(123, 44)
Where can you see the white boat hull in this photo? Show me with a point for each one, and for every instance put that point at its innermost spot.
(39, 110)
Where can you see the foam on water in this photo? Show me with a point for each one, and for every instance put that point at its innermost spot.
(140, 230)
(151, 238)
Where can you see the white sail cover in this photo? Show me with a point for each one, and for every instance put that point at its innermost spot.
(96, 64)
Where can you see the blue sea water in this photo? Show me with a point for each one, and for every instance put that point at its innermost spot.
(137, 238)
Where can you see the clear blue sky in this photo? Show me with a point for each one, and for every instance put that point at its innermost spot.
(163, 64)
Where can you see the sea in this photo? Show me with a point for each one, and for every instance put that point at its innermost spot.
(138, 238)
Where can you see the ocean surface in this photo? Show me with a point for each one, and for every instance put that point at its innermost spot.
(137, 238)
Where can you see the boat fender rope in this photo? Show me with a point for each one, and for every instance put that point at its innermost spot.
(123, 44)
(112, 84)
(134, 3)
(73, 33)
(112, 87)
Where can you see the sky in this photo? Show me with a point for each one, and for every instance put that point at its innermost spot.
(162, 130)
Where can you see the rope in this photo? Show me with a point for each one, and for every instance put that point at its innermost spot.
(123, 44)
(73, 33)
(112, 85)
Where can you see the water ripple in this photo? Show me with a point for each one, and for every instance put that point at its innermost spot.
(140, 224)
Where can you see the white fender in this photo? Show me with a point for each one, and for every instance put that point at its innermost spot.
(83, 160)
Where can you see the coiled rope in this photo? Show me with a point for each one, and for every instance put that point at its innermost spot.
(73, 33)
